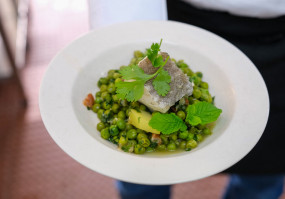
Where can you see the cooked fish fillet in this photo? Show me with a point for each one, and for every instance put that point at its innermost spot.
(179, 86)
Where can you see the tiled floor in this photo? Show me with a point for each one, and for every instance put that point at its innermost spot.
(32, 166)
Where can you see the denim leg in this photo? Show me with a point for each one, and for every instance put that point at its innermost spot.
(254, 187)
(137, 191)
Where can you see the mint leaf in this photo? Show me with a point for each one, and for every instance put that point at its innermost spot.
(195, 120)
(161, 83)
(202, 113)
(167, 123)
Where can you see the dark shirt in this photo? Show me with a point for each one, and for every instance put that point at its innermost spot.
(263, 41)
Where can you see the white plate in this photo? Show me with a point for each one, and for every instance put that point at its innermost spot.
(235, 82)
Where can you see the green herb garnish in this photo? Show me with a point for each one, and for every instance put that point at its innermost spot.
(167, 123)
(161, 83)
(202, 113)
(133, 89)
(199, 113)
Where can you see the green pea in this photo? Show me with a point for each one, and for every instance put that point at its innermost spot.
(114, 120)
(135, 104)
(181, 64)
(139, 149)
(207, 131)
(114, 130)
(193, 130)
(98, 94)
(190, 136)
(140, 131)
(122, 67)
(173, 136)
(124, 102)
(182, 101)
(103, 87)
(121, 124)
(196, 101)
(204, 85)
(132, 134)
(103, 80)
(115, 108)
(171, 146)
(100, 126)
(199, 137)
(106, 105)
(118, 80)
(164, 139)
(100, 113)
(104, 95)
(123, 133)
(149, 149)
(106, 124)
(206, 96)
(181, 114)
(188, 71)
(98, 100)
(105, 133)
(111, 73)
(144, 142)
(161, 147)
(199, 74)
(123, 141)
(177, 142)
(191, 144)
(191, 100)
(197, 93)
(182, 145)
(183, 135)
(133, 61)
(129, 126)
(111, 88)
(108, 98)
(129, 147)
(142, 107)
(141, 135)
(128, 112)
(122, 115)
(96, 107)
(200, 126)
(116, 75)
(196, 80)
(138, 54)
(115, 98)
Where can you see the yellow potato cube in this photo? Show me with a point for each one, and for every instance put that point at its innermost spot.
(141, 120)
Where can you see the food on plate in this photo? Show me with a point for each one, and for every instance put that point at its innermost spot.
(153, 104)
(180, 86)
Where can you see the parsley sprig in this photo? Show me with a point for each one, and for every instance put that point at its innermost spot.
(133, 89)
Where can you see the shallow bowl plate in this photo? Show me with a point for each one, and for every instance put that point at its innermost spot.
(235, 82)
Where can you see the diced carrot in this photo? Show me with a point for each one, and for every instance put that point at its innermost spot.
(88, 101)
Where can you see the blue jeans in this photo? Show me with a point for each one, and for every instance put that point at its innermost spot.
(254, 187)
(137, 191)
(239, 187)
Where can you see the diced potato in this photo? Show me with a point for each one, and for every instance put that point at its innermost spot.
(141, 120)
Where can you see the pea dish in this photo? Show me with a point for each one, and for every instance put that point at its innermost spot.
(153, 104)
